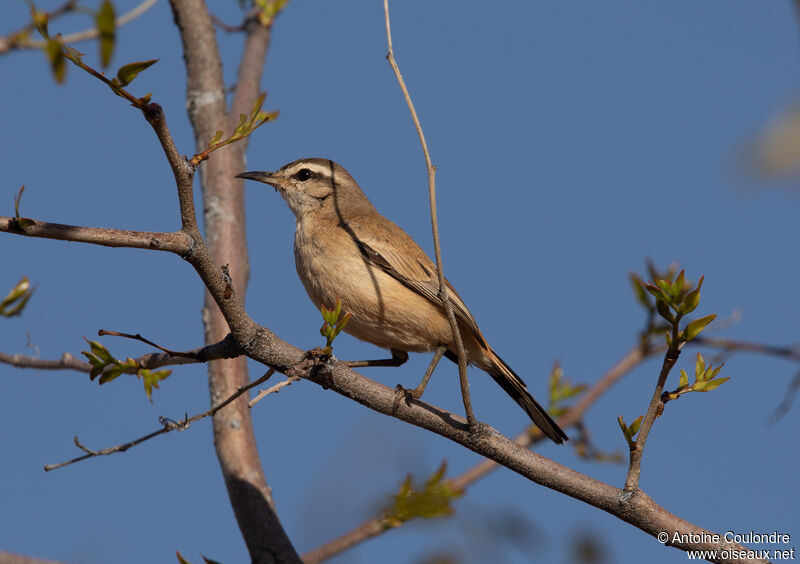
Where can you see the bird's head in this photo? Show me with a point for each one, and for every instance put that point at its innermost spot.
(312, 185)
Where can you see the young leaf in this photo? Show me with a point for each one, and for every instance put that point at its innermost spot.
(709, 385)
(684, 379)
(40, 21)
(111, 374)
(634, 427)
(54, 54)
(151, 380)
(128, 72)
(100, 351)
(106, 29)
(694, 328)
(699, 366)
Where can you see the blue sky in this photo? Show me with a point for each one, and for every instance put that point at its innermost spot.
(573, 141)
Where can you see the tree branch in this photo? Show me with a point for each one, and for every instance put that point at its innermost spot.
(223, 202)
(376, 525)
(174, 242)
(9, 558)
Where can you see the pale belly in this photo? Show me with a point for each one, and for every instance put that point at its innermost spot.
(384, 311)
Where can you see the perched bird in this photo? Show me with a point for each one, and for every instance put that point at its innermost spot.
(344, 248)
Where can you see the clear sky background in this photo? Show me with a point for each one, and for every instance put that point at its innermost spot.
(573, 140)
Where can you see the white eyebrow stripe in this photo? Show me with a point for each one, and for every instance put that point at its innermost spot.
(316, 168)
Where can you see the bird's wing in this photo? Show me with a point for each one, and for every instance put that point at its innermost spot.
(388, 247)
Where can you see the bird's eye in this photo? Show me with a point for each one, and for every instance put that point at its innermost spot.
(303, 174)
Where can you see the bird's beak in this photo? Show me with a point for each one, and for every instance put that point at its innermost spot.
(260, 175)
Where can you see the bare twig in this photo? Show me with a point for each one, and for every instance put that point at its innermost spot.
(448, 307)
(168, 426)
(138, 337)
(273, 390)
(788, 399)
(368, 529)
(66, 362)
(790, 352)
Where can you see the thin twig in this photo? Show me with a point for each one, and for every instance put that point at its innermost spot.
(788, 399)
(653, 410)
(462, 355)
(167, 426)
(138, 337)
(273, 390)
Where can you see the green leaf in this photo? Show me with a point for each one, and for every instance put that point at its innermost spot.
(623, 426)
(639, 292)
(695, 327)
(106, 28)
(664, 311)
(677, 286)
(712, 373)
(54, 54)
(151, 380)
(690, 302)
(100, 351)
(16, 292)
(128, 72)
(709, 385)
(634, 427)
(684, 379)
(217, 136)
(665, 285)
(657, 293)
(431, 502)
(16, 300)
(111, 374)
(40, 21)
(699, 366)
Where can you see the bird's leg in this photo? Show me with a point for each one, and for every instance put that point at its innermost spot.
(416, 393)
(398, 358)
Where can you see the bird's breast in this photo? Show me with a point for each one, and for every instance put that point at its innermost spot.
(384, 311)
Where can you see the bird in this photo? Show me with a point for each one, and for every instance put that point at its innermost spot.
(345, 249)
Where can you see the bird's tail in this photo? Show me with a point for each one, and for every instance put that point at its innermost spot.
(515, 387)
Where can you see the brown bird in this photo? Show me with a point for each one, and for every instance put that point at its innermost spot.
(345, 249)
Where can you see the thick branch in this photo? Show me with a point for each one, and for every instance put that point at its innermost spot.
(223, 202)
(175, 242)
(635, 508)
(376, 525)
